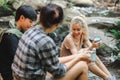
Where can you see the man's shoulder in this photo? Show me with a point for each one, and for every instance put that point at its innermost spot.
(14, 31)
(8, 32)
(9, 37)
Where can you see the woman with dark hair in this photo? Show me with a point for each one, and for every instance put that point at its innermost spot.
(37, 53)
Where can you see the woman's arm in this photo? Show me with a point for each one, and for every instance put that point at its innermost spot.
(66, 59)
(70, 45)
(93, 45)
(89, 45)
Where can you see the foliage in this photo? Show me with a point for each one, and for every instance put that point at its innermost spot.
(2, 2)
(105, 13)
(116, 50)
(4, 5)
(116, 33)
(6, 8)
(117, 23)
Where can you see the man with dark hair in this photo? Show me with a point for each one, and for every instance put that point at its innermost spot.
(25, 15)
(37, 53)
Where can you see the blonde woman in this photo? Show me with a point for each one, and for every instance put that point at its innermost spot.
(73, 42)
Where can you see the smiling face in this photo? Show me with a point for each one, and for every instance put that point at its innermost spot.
(78, 27)
(76, 30)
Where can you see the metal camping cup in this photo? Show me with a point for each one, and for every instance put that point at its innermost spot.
(97, 38)
(93, 56)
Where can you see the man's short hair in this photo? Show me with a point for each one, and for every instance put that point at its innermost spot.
(27, 12)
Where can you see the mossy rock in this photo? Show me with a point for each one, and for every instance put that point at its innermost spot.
(104, 50)
(5, 13)
(4, 24)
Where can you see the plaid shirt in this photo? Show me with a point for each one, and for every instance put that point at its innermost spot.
(36, 54)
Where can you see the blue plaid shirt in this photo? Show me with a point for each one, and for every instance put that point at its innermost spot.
(36, 54)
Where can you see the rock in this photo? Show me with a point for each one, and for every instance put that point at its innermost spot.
(115, 64)
(102, 22)
(35, 4)
(5, 12)
(4, 24)
(83, 3)
(61, 3)
(111, 1)
(104, 50)
(59, 34)
(71, 12)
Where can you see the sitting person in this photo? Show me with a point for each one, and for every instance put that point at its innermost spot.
(25, 16)
(37, 53)
(73, 42)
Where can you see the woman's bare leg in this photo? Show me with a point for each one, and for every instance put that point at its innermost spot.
(102, 67)
(78, 72)
(84, 74)
(96, 70)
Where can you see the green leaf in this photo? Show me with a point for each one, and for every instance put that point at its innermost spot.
(117, 23)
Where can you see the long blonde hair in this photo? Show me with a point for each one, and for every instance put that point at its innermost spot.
(81, 21)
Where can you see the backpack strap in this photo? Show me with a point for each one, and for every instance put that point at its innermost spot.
(14, 31)
(2, 31)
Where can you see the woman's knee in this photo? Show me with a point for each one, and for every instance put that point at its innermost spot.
(83, 65)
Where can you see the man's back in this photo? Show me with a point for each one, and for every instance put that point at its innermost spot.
(8, 44)
(8, 47)
(9, 38)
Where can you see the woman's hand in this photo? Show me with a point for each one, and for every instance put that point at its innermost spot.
(85, 56)
(95, 44)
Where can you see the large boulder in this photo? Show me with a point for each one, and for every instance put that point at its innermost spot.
(85, 3)
(36, 4)
(61, 3)
(104, 50)
(72, 12)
